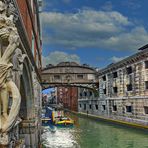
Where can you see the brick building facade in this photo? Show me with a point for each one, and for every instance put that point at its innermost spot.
(68, 96)
(29, 18)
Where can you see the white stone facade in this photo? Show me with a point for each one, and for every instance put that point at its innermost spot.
(123, 90)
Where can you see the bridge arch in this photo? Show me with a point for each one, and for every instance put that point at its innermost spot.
(80, 80)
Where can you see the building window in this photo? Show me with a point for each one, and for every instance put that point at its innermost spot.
(96, 107)
(129, 87)
(90, 93)
(146, 109)
(115, 89)
(84, 106)
(57, 77)
(103, 106)
(104, 91)
(146, 84)
(129, 70)
(129, 109)
(114, 108)
(104, 78)
(80, 76)
(80, 105)
(115, 75)
(146, 64)
(90, 106)
(85, 93)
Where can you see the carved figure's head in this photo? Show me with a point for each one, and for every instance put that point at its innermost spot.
(2, 6)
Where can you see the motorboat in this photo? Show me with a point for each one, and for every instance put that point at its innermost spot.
(64, 121)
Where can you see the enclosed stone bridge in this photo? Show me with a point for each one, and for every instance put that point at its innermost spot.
(69, 74)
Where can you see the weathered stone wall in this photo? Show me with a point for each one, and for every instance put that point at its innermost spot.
(123, 91)
(68, 74)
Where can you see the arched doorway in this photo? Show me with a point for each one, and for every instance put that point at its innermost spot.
(26, 90)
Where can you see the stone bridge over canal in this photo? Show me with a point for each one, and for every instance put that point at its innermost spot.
(69, 74)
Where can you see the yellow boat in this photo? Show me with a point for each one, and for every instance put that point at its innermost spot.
(64, 122)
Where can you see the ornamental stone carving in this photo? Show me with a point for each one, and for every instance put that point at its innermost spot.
(10, 39)
(18, 60)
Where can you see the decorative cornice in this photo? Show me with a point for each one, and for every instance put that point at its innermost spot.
(125, 62)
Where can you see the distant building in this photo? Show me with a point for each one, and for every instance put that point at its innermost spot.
(123, 90)
(68, 97)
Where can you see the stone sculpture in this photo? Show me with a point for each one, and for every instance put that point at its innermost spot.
(9, 36)
(18, 60)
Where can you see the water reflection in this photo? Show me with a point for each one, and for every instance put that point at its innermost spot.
(62, 138)
(90, 134)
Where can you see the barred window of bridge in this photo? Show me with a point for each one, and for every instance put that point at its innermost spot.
(80, 76)
(57, 77)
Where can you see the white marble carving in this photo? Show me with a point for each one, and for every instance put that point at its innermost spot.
(8, 35)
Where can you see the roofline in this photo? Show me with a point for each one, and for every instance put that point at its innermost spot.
(80, 66)
(131, 59)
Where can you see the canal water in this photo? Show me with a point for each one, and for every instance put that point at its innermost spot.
(88, 133)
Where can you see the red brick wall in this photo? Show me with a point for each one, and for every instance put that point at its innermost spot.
(69, 97)
(28, 18)
(25, 18)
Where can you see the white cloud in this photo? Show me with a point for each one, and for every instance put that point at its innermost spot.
(115, 59)
(93, 29)
(58, 56)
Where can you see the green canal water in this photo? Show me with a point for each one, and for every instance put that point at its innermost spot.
(88, 133)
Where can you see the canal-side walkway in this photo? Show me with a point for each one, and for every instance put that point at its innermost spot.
(111, 120)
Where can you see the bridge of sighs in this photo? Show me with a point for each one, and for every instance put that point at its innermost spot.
(69, 74)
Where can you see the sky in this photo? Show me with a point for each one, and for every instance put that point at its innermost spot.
(93, 32)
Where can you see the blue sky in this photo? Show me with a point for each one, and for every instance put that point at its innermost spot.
(95, 32)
